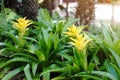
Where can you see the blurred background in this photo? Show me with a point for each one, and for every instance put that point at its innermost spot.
(87, 11)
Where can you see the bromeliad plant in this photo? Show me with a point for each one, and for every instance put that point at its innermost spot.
(57, 51)
(21, 26)
(13, 50)
(32, 55)
(81, 68)
(80, 42)
(108, 43)
(25, 53)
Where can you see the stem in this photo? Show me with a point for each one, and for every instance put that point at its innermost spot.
(22, 41)
(67, 10)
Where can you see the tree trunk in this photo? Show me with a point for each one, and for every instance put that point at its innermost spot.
(49, 5)
(30, 9)
(85, 11)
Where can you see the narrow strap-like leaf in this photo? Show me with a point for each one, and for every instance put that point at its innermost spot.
(22, 59)
(34, 68)
(27, 72)
(12, 73)
(106, 74)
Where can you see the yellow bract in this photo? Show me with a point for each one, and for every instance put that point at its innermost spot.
(22, 24)
(80, 42)
(73, 30)
(77, 38)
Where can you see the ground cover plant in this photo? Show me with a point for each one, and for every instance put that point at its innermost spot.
(50, 50)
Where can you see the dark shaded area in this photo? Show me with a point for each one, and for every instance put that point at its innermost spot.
(30, 9)
(49, 5)
(12, 4)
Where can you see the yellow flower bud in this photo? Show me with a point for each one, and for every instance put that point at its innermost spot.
(73, 30)
(22, 24)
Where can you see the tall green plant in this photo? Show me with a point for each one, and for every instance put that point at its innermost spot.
(57, 51)
(34, 54)
(109, 43)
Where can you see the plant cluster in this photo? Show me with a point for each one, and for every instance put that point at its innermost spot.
(47, 50)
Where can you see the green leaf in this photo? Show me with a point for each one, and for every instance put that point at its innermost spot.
(46, 76)
(56, 40)
(66, 56)
(34, 68)
(4, 71)
(44, 24)
(40, 55)
(27, 72)
(116, 57)
(54, 70)
(31, 39)
(111, 69)
(88, 76)
(45, 35)
(116, 47)
(21, 59)
(94, 55)
(107, 35)
(8, 45)
(106, 74)
(2, 50)
(25, 55)
(36, 77)
(12, 73)
(14, 38)
(49, 43)
(69, 23)
(117, 70)
(31, 48)
(54, 66)
(91, 66)
(58, 78)
(59, 26)
(44, 19)
(44, 15)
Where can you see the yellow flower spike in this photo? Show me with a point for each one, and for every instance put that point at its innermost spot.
(80, 42)
(73, 30)
(22, 24)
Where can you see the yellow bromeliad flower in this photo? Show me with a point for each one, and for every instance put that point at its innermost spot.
(80, 42)
(22, 24)
(73, 30)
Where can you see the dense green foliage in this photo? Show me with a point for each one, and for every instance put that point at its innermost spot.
(44, 53)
